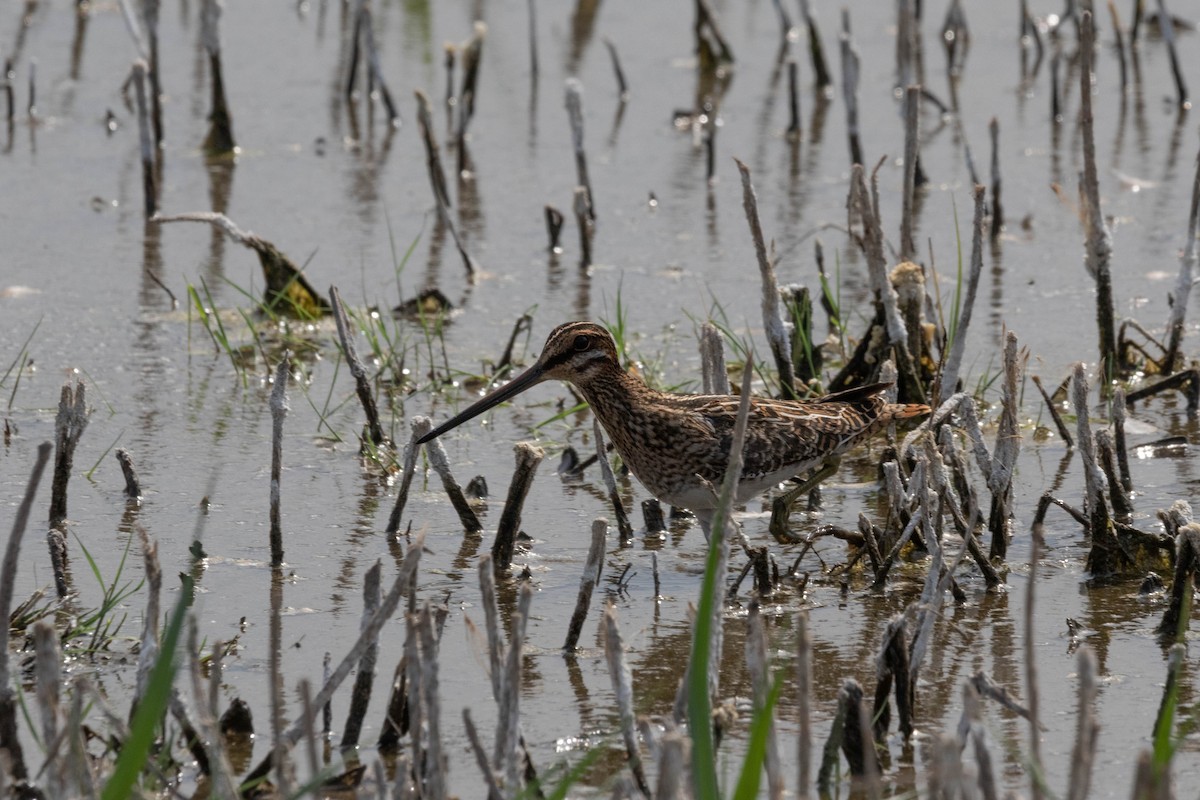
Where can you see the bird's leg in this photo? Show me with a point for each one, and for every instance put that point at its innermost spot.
(781, 509)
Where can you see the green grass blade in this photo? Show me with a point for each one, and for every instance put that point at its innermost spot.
(756, 753)
(142, 730)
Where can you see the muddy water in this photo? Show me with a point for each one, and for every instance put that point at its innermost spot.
(334, 188)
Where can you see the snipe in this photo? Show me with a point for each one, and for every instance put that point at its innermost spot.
(672, 441)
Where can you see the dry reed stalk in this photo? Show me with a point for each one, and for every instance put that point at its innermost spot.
(582, 207)
(574, 95)
(327, 706)
(711, 45)
(672, 760)
(368, 33)
(528, 457)
(1105, 556)
(997, 225)
(434, 765)
(1121, 503)
(360, 695)
(850, 71)
(148, 651)
(622, 85)
(1052, 407)
(1178, 298)
(760, 677)
(220, 140)
(804, 685)
(1118, 423)
(973, 717)
(816, 49)
(777, 335)
(489, 777)
(714, 377)
(1166, 25)
(48, 670)
(964, 510)
(69, 425)
(220, 774)
(472, 56)
(80, 760)
(912, 142)
(948, 382)
(533, 48)
(437, 180)
(1086, 728)
(587, 582)
(652, 517)
(279, 410)
(373, 432)
(892, 670)
(1006, 450)
(622, 683)
(149, 184)
(1187, 564)
(794, 130)
(282, 768)
(433, 158)
(355, 40)
(554, 224)
(420, 426)
(150, 9)
(405, 578)
(133, 489)
(506, 757)
(1030, 660)
(624, 529)
(491, 624)
(1098, 242)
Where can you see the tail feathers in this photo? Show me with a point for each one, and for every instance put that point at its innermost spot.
(897, 411)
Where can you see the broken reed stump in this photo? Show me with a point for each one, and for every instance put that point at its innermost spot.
(574, 101)
(420, 426)
(10, 744)
(816, 49)
(554, 224)
(624, 529)
(279, 410)
(714, 376)
(758, 665)
(1098, 241)
(772, 320)
(372, 435)
(587, 583)
(405, 579)
(1178, 298)
(1173, 626)
(219, 141)
(528, 457)
(912, 155)
(287, 292)
(622, 683)
(133, 489)
(850, 71)
(441, 465)
(149, 184)
(360, 695)
(472, 56)
(997, 226)
(69, 425)
(582, 207)
(437, 179)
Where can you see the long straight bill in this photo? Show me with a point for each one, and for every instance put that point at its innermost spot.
(529, 377)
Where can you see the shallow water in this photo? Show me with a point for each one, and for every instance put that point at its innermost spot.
(351, 203)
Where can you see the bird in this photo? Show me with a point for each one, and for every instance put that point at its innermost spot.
(678, 445)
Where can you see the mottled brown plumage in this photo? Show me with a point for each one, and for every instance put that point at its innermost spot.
(667, 440)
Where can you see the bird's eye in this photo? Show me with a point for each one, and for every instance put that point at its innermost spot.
(582, 342)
